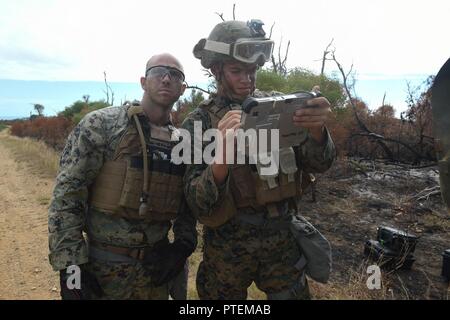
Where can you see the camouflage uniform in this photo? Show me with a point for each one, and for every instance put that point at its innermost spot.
(92, 143)
(250, 246)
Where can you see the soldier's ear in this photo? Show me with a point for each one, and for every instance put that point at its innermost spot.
(183, 88)
(216, 70)
(143, 83)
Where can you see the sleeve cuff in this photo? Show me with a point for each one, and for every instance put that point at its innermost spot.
(218, 191)
(63, 258)
(326, 149)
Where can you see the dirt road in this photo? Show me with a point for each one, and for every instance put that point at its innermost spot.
(24, 197)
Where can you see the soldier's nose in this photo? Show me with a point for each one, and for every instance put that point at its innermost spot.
(166, 78)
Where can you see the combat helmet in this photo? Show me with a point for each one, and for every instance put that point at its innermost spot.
(242, 41)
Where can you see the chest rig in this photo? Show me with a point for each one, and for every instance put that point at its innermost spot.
(140, 182)
(251, 190)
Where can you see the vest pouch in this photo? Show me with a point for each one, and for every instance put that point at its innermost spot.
(264, 194)
(288, 163)
(132, 189)
(266, 179)
(289, 176)
(288, 188)
(241, 185)
(129, 145)
(105, 192)
(284, 190)
(165, 194)
(159, 179)
(315, 248)
(175, 189)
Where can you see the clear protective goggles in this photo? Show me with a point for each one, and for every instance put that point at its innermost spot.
(245, 50)
(249, 51)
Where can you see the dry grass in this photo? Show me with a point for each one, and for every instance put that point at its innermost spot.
(355, 289)
(436, 223)
(42, 159)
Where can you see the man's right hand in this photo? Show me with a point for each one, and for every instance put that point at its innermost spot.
(227, 127)
(167, 260)
(90, 288)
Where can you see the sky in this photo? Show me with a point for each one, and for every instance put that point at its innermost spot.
(386, 41)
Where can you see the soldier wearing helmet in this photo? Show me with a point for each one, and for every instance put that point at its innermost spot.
(247, 226)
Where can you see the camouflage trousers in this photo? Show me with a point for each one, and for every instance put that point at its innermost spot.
(131, 280)
(238, 253)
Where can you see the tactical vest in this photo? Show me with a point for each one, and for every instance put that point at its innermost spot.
(133, 184)
(247, 188)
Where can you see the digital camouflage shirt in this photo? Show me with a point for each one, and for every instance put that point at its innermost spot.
(201, 191)
(90, 144)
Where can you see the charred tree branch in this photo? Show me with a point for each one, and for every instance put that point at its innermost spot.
(198, 88)
(361, 124)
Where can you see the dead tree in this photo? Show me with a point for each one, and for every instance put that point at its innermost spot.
(108, 91)
(373, 136)
(280, 65)
(380, 140)
(419, 115)
(220, 15)
(198, 88)
(325, 56)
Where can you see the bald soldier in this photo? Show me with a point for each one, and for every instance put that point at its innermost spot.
(118, 194)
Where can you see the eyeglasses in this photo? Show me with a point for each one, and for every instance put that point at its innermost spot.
(161, 71)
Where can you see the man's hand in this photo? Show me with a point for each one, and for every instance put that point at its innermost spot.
(314, 117)
(166, 261)
(227, 127)
(90, 288)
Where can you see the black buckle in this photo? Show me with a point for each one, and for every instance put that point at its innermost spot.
(256, 29)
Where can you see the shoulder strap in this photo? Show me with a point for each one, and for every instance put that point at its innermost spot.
(144, 196)
(134, 110)
(133, 113)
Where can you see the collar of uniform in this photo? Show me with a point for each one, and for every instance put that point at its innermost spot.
(143, 116)
(222, 102)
